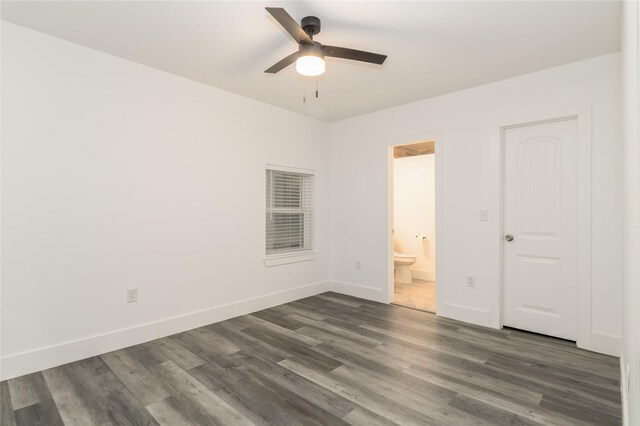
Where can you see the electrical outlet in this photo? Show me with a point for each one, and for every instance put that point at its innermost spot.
(132, 295)
(358, 265)
(484, 215)
(471, 281)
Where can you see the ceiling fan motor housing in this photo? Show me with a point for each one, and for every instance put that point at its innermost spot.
(314, 49)
(311, 25)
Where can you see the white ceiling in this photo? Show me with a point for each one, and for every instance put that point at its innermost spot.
(433, 47)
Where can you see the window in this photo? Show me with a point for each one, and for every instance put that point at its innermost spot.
(289, 212)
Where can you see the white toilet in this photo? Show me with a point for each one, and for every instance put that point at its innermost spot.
(402, 263)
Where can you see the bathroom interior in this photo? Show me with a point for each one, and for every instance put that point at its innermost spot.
(414, 226)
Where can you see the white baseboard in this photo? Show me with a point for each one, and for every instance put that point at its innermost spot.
(52, 356)
(465, 313)
(197, 319)
(423, 274)
(448, 310)
(602, 343)
(357, 290)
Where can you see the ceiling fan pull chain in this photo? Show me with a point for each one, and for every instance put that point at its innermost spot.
(316, 87)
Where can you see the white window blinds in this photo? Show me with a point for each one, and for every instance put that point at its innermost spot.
(289, 212)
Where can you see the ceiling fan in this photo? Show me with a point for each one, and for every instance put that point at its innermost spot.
(309, 58)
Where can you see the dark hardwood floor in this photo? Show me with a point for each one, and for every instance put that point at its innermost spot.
(328, 359)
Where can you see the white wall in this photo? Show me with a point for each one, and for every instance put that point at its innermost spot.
(116, 175)
(464, 124)
(414, 212)
(630, 362)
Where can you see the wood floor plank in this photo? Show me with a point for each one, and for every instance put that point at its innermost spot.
(28, 390)
(533, 367)
(6, 408)
(488, 396)
(327, 359)
(290, 309)
(381, 370)
(184, 384)
(339, 332)
(372, 401)
(166, 415)
(304, 354)
(260, 398)
(326, 310)
(489, 414)
(43, 413)
(558, 387)
(204, 349)
(476, 374)
(216, 376)
(362, 416)
(69, 404)
(147, 354)
(238, 323)
(580, 411)
(250, 344)
(140, 381)
(438, 346)
(574, 362)
(433, 405)
(105, 398)
(215, 341)
(267, 326)
(172, 350)
(273, 316)
(334, 348)
(189, 409)
(321, 397)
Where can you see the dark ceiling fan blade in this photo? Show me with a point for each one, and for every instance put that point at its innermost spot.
(283, 63)
(289, 24)
(355, 55)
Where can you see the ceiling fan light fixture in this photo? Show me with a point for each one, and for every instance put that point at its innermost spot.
(310, 60)
(310, 65)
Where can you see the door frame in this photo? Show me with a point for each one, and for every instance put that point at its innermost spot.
(439, 216)
(582, 115)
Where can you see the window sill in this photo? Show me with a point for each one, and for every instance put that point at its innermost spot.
(283, 259)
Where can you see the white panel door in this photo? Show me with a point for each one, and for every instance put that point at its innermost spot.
(540, 215)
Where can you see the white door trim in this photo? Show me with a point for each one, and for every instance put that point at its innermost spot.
(582, 113)
(439, 160)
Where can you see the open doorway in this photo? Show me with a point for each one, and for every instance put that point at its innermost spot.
(414, 225)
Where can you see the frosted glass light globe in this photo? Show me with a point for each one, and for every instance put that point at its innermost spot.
(310, 65)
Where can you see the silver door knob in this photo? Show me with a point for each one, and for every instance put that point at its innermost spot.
(508, 237)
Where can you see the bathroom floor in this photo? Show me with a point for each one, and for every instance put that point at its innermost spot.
(418, 295)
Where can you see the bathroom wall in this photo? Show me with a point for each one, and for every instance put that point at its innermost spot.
(464, 125)
(414, 212)
(117, 175)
